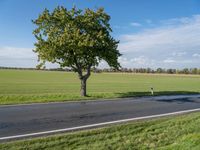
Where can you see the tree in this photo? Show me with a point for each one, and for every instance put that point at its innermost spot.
(77, 39)
(159, 70)
(186, 71)
(194, 70)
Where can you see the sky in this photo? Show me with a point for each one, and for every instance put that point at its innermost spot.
(156, 33)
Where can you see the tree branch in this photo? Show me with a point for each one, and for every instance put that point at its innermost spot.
(88, 71)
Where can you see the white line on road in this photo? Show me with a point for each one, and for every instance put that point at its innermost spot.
(96, 125)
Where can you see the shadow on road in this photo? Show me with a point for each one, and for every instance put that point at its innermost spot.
(180, 100)
(156, 93)
(165, 93)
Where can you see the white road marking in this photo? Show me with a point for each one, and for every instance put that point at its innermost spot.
(96, 125)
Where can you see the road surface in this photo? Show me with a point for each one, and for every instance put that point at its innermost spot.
(35, 118)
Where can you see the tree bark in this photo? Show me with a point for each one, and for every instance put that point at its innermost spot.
(83, 87)
(83, 79)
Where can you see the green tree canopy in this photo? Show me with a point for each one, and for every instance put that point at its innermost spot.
(77, 39)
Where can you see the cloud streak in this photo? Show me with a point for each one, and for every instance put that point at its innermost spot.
(135, 24)
(177, 38)
(17, 57)
(16, 53)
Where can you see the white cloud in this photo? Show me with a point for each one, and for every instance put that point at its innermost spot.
(169, 60)
(170, 37)
(149, 21)
(123, 61)
(182, 20)
(140, 61)
(119, 27)
(13, 53)
(179, 54)
(135, 24)
(196, 55)
(178, 38)
(19, 57)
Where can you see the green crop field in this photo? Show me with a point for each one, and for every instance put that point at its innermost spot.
(19, 86)
(173, 133)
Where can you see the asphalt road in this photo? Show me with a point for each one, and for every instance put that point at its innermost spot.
(25, 119)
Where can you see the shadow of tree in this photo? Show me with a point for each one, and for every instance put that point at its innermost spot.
(180, 100)
(157, 93)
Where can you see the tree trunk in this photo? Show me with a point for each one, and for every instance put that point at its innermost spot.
(83, 87)
(83, 79)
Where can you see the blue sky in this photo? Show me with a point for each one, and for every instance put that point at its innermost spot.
(154, 33)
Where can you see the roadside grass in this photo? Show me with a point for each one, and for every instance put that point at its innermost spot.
(179, 132)
(20, 86)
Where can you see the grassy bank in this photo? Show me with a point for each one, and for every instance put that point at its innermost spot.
(180, 132)
(19, 86)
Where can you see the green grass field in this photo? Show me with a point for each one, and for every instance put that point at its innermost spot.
(18, 86)
(180, 132)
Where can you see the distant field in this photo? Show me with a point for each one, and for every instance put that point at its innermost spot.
(173, 133)
(19, 86)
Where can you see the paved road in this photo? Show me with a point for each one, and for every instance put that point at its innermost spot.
(24, 119)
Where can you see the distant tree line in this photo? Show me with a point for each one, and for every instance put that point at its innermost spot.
(126, 70)
(150, 70)
(44, 69)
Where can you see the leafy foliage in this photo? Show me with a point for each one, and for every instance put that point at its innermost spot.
(75, 38)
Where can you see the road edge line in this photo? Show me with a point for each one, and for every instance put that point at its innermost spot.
(96, 125)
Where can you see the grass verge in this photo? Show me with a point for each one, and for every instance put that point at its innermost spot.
(179, 132)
